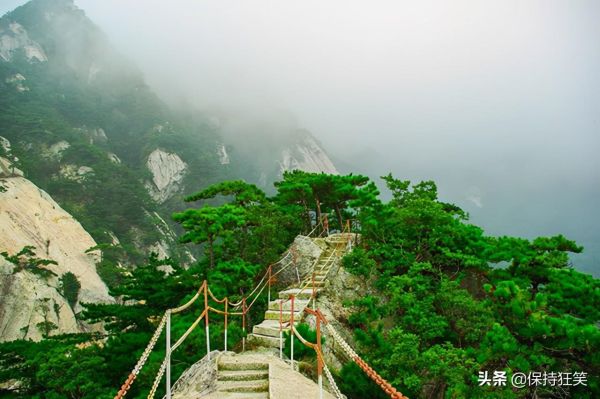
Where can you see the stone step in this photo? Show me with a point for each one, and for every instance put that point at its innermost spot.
(287, 304)
(306, 294)
(243, 375)
(318, 271)
(243, 395)
(264, 340)
(268, 327)
(285, 316)
(309, 283)
(243, 386)
(232, 365)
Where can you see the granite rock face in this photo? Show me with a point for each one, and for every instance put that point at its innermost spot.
(30, 217)
(14, 38)
(306, 155)
(305, 251)
(168, 171)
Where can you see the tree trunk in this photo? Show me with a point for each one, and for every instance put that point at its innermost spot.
(211, 252)
(307, 214)
(243, 241)
(339, 215)
(318, 209)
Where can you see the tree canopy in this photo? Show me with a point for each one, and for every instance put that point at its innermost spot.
(444, 300)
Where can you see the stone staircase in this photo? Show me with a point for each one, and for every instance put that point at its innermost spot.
(267, 332)
(239, 377)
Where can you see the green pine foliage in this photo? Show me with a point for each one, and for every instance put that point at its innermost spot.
(70, 287)
(444, 300)
(456, 313)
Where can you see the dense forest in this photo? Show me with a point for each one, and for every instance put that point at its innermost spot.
(447, 301)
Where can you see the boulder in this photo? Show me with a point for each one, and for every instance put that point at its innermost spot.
(305, 251)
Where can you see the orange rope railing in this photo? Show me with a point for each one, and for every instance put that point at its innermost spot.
(266, 281)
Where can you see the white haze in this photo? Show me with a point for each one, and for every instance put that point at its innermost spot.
(497, 101)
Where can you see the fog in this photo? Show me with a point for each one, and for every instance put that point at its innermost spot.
(497, 101)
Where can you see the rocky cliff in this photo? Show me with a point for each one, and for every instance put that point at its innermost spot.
(306, 155)
(30, 217)
(168, 171)
(14, 38)
(87, 129)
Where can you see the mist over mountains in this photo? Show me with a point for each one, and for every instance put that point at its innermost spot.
(504, 120)
(398, 185)
(490, 100)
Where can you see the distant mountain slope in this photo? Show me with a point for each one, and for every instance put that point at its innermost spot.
(86, 128)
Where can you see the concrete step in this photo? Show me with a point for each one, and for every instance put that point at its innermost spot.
(306, 294)
(243, 375)
(287, 304)
(264, 340)
(232, 365)
(285, 316)
(317, 283)
(268, 327)
(318, 271)
(243, 386)
(243, 395)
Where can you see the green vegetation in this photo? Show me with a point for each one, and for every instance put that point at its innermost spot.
(27, 260)
(70, 287)
(445, 300)
(460, 302)
(301, 351)
(110, 123)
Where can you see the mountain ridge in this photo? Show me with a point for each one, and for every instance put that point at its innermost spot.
(91, 100)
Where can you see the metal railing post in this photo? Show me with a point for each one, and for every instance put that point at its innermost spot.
(226, 305)
(319, 359)
(281, 329)
(168, 355)
(269, 295)
(314, 296)
(292, 333)
(206, 319)
(243, 324)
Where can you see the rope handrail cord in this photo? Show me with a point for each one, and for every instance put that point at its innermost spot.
(204, 288)
(190, 302)
(222, 312)
(188, 332)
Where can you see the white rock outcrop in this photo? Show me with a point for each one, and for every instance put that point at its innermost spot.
(308, 156)
(5, 144)
(7, 169)
(30, 217)
(15, 38)
(160, 248)
(94, 135)
(114, 158)
(18, 82)
(75, 172)
(223, 155)
(168, 171)
(56, 149)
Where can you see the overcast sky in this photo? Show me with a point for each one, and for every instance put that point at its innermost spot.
(498, 101)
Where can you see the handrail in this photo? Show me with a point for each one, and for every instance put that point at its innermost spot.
(205, 289)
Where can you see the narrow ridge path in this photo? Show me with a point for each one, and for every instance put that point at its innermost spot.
(267, 332)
